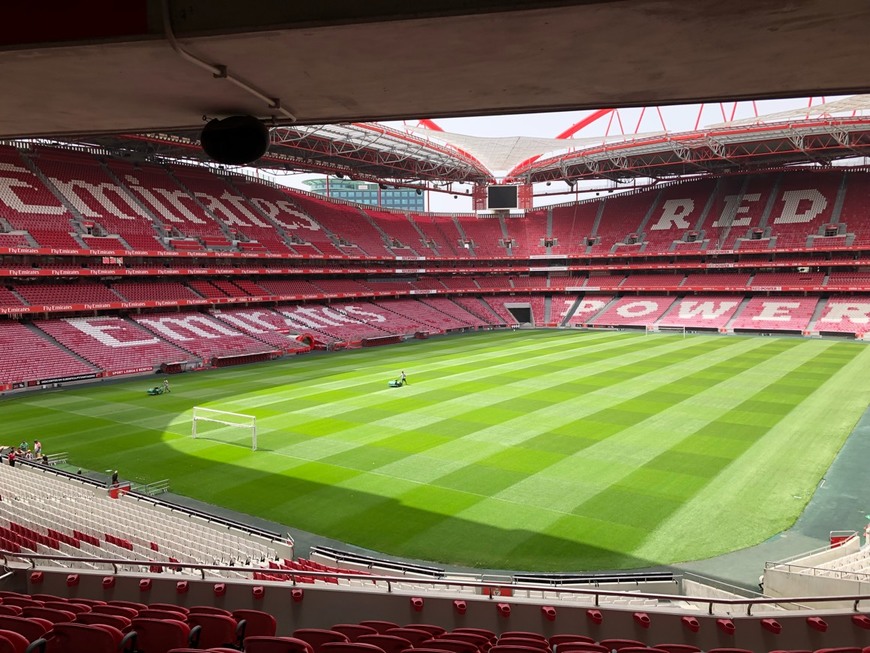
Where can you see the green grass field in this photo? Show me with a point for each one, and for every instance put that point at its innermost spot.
(533, 450)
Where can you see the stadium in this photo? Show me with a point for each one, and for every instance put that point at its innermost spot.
(616, 403)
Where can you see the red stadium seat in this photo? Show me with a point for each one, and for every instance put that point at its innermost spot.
(513, 648)
(133, 605)
(450, 645)
(516, 640)
(582, 647)
(12, 642)
(387, 643)
(380, 626)
(215, 630)
(90, 602)
(50, 614)
(257, 623)
(209, 609)
(168, 606)
(32, 629)
(482, 642)
(121, 623)
(317, 637)
(21, 602)
(564, 638)
(491, 636)
(130, 613)
(69, 606)
(154, 613)
(350, 647)
(353, 631)
(160, 634)
(619, 644)
(525, 634)
(414, 635)
(11, 609)
(678, 648)
(47, 597)
(276, 645)
(83, 638)
(435, 631)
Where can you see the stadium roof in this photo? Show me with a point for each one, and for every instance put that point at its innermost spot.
(139, 77)
(816, 135)
(160, 65)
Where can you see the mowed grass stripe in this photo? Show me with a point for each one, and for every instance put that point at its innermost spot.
(481, 480)
(658, 487)
(441, 401)
(557, 496)
(771, 481)
(358, 496)
(372, 389)
(505, 405)
(612, 386)
(369, 381)
(637, 513)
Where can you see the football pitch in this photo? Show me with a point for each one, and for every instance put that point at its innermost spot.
(527, 450)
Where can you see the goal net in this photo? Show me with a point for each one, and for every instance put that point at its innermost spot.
(667, 330)
(220, 425)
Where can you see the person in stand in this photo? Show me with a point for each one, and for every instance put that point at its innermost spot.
(11, 457)
(115, 478)
(166, 385)
(37, 448)
(403, 379)
(23, 446)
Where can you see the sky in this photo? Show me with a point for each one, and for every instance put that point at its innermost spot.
(631, 121)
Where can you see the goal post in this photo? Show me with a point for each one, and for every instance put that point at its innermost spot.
(224, 426)
(667, 330)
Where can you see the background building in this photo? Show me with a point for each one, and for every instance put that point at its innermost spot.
(388, 197)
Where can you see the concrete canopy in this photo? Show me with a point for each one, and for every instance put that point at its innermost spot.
(342, 61)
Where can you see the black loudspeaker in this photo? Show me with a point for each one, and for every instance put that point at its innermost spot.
(235, 140)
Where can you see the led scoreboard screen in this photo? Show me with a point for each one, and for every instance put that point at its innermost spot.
(502, 197)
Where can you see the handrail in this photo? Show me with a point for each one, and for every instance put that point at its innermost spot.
(838, 574)
(807, 554)
(855, 599)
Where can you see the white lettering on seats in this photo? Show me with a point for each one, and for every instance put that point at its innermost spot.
(587, 306)
(567, 307)
(253, 321)
(99, 328)
(338, 316)
(674, 212)
(705, 310)
(221, 210)
(274, 211)
(855, 312)
(303, 317)
(637, 309)
(776, 311)
(197, 326)
(174, 197)
(11, 199)
(356, 310)
(792, 201)
(733, 207)
(100, 193)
